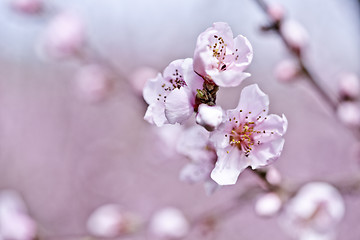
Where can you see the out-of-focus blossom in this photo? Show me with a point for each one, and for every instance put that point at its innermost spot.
(28, 6)
(273, 176)
(268, 205)
(194, 144)
(314, 212)
(247, 137)
(15, 223)
(276, 11)
(171, 96)
(349, 86)
(209, 117)
(287, 70)
(349, 113)
(139, 77)
(168, 139)
(64, 36)
(93, 83)
(169, 223)
(220, 58)
(110, 221)
(295, 34)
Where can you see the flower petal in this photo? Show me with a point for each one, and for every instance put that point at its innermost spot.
(266, 153)
(155, 114)
(178, 107)
(245, 52)
(153, 88)
(193, 144)
(253, 103)
(228, 78)
(228, 166)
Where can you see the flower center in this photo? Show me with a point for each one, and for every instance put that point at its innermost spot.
(242, 137)
(219, 52)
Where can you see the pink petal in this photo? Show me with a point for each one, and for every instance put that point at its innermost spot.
(178, 107)
(193, 142)
(153, 88)
(228, 166)
(228, 78)
(253, 102)
(245, 52)
(266, 153)
(196, 172)
(155, 114)
(274, 126)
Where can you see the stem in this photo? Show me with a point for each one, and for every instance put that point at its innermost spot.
(333, 102)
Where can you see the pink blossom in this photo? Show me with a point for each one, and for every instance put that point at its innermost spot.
(93, 83)
(287, 70)
(295, 34)
(314, 212)
(220, 58)
(28, 6)
(110, 221)
(276, 11)
(64, 36)
(171, 96)
(169, 223)
(349, 86)
(209, 117)
(273, 176)
(268, 204)
(194, 144)
(349, 113)
(15, 223)
(247, 137)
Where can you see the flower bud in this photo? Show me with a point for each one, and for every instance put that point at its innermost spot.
(273, 176)
(169, 223)
(15, 223)
(64, 36)
(287, 70)
(110, 221)
(295, 35)
(93, 83)
(349, 113)
(27, 6)
(209, 117)
(349, 86)
(276, 12)
(268, 205)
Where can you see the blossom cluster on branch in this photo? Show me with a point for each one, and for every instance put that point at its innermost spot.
(234, 139)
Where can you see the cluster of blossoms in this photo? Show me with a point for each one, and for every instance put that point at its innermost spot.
(228, 141)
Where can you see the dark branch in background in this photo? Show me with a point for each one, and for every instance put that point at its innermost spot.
(275, 25)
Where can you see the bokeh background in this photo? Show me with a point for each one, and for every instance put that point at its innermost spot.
(67, 156)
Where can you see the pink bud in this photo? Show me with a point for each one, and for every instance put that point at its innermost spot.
(295, 34)
(64, 36)
(349, 113)
(15, 223)
(209, 117)
(349, 86)
(273, 176)
(169, 223)
(268, 205)
(287, 70)
(276, 11)
(110, 221)
(28, 6)
(139, 77)
(93, 83)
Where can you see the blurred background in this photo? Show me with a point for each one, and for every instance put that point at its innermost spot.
(69, 145)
